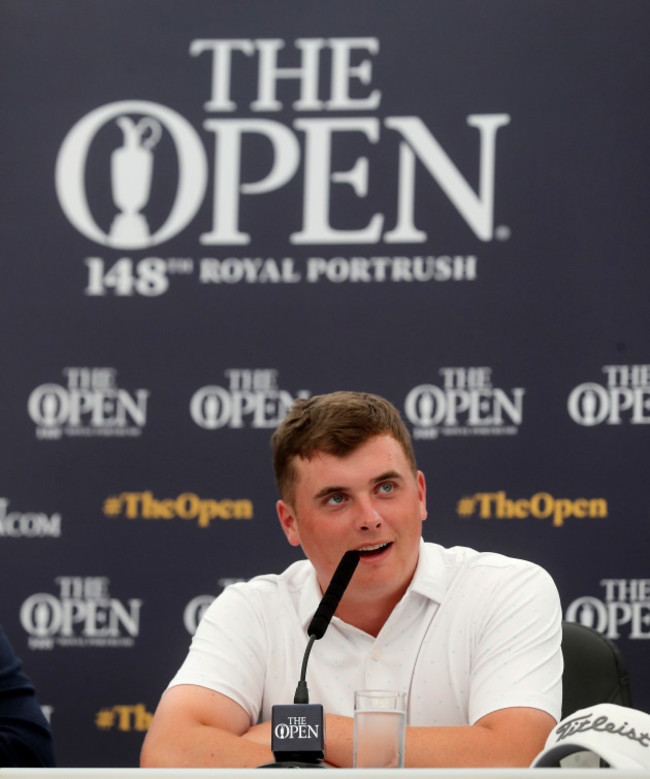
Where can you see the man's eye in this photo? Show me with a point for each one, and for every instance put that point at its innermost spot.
(335, 500)
(387, 487)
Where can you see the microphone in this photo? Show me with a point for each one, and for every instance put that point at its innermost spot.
(333, 594)
(298, 739)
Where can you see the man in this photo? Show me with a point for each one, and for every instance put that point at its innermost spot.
(25, 737)
(473, 639)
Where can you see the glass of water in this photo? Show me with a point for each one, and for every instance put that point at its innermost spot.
(379, 725)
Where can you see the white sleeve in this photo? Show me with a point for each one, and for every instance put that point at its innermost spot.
(518, 657)
(228, 652)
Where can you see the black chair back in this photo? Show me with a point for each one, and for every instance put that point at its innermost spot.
(594, 670)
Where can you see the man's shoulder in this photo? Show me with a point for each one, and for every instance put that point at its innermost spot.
(293, 579)
(461, 560)
(493, 580)
(466, 556)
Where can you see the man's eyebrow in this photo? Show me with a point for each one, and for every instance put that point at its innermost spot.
(328, 491)
(387, 475)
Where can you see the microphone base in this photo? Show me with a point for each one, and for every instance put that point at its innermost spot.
(292, 764)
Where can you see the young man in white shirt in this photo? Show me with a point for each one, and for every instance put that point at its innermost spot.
(474, 639)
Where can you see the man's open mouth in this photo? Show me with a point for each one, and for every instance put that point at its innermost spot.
(373, 550)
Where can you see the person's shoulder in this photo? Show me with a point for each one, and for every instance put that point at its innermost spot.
(292, 579)
(472, 561)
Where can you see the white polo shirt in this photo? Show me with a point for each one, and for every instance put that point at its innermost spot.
(474, 632)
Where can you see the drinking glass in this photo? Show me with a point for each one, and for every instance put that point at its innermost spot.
(379, 726)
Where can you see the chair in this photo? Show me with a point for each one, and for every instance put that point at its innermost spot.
(594, 670)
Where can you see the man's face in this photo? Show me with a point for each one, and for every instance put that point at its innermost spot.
(369, 500)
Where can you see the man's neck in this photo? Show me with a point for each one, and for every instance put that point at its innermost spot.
(368, 616)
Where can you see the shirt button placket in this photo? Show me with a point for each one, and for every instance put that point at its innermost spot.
(373, 670)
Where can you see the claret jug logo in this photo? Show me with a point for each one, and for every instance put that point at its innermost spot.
(90, 405)
(624, 398)
(251, 399)
(466, 404)
(83, 614)
(278, 113)
(196, 608)
(131, 171)
(194, 611)
(622, 609)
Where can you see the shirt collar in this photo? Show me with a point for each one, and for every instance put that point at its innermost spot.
(431, 577)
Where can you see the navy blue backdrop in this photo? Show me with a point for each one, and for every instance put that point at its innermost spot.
(211, 208)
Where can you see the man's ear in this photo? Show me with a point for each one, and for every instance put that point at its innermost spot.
(422, 495)
(289, 523)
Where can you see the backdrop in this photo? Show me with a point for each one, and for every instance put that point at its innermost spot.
(212, 208)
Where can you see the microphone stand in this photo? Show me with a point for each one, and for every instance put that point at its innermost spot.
(311, 731)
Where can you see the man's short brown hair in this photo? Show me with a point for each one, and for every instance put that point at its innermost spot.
(334, 424)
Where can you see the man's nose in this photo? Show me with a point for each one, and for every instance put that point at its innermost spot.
(368, 517)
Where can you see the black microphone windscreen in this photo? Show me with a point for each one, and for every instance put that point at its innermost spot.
(333, 594)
